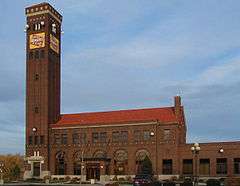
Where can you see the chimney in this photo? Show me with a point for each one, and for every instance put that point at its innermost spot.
(177, 105)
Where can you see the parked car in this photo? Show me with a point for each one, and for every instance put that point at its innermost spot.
(143, 179)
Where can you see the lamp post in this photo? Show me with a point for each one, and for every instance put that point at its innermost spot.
(82, 160)
(195, 150)
(82, 166)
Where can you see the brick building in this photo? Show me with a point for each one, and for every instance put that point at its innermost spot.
(100, 145)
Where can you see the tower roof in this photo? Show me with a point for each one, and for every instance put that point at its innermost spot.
(43, 8)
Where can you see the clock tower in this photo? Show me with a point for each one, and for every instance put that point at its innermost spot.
(43, 58)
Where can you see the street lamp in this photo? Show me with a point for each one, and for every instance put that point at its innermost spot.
(221, 150)
(82, 160)
(195, 150)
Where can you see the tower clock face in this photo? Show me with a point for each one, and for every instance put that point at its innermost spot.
(37, 40)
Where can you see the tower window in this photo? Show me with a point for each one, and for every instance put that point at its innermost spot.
(41, 140)
(37, 26)
(36, 77)
(30, 57)
(36, 56)
(36, 142)
(36, 109)
(42, 54)
(30, 140)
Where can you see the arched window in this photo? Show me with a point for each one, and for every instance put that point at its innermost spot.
(78, 158)
(143, 162)
(100, 154)
(120, 162)
(61, 165)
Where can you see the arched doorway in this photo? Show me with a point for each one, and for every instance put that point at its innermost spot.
(61, 165)
(120, 162)
(143, 162)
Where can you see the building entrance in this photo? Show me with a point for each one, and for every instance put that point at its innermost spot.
(93, 171)
(36, 169)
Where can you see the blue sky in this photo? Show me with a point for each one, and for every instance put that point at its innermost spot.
(133, 54)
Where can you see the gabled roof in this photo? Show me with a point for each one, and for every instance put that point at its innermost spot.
(163, 115)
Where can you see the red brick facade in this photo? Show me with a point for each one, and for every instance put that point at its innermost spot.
(103, 143)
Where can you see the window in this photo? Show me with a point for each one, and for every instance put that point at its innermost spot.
(41, 140)
(188, 166)
(75, 138)
(103, 137)
(57, 139)
(236, 165)
(137, 135)
(36, 142)
(123, 136)
(167, 167)
(115, 136)
(36, 77)
(83, 138)
(36, 110)
(61, 165)
(30, 57)
(204, 166)
(30, 140)
(36, 56)
(42, 54)
(221, 165)
(64, 139)
(77, 168)
(79, 138)
(95, 137)
(146, 135)
(37, 26)
(166, 135)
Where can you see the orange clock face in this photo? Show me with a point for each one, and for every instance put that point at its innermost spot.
(37, 40)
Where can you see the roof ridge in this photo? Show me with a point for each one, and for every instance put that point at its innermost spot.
(121, 110)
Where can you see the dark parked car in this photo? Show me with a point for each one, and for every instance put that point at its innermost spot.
(143, 179)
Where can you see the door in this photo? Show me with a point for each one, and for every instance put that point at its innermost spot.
(93, 171)
(36, 169)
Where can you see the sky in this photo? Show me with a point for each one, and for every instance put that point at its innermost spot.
(132, 54)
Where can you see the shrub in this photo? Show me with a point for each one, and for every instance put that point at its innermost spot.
(173, 178)
(232, 181)
(213, 182)
(115, 178)
(74, 180)
(61, 179)
(169, 183)
(46, 178)
(187, 182)
(67, 178)
(121, 179)
(54, 180)
(129, 178)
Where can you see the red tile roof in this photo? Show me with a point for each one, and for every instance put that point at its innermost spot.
(165, 114)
